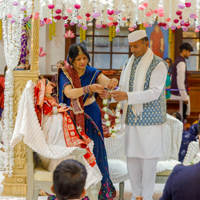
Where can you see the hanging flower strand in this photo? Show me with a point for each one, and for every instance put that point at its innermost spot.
(113, 130)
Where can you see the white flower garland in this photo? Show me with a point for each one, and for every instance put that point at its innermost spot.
(113, 130)
(12, 45)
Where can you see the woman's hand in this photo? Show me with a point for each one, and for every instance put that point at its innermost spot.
(63, 109)
(105, 94)
(98, 88)
(113, 83)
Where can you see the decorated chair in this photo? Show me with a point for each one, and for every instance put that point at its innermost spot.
(39, 178)
(28, 129)
(172, 138)
(117, 160)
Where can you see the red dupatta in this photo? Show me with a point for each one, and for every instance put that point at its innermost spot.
(76, 104)
(45, 105)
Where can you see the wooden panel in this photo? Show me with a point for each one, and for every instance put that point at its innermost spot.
(194, 98)
(178, 41)
(172, 106)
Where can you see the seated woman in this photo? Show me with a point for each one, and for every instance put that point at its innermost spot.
(48, 130)
(57, 125)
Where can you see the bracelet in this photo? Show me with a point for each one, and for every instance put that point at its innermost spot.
(86, 89)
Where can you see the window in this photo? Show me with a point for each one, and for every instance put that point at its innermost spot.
(103, 53)
(193, 38)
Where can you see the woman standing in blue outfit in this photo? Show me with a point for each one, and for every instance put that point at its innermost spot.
(77, 83)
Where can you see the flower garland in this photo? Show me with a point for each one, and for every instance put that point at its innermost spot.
(113, 130)
(81, 34)
(111, 33)
(12, 18)
(169, 13)
(52, 30)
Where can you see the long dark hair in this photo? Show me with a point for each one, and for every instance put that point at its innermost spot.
(74, 52)
(69, 180)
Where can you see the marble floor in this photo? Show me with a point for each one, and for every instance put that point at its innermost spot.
(127, 194)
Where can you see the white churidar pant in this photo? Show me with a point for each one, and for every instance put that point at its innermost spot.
(142, 173)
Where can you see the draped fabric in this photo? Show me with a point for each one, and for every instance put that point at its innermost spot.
(187, 137)
(44, 105)
(92, 120)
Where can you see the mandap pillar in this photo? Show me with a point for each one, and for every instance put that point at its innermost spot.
(17, 184)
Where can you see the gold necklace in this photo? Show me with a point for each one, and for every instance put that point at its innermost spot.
(81, 72)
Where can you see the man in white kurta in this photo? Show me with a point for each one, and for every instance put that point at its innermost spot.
(142, 85)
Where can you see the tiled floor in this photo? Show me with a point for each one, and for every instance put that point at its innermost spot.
(127, 194)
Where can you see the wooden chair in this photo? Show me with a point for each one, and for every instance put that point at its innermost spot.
(39, 178)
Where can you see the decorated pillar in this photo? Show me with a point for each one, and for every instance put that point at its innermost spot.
(35, 33)
(16, 185)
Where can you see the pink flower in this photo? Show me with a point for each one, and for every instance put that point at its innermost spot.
(69, 34)
(77, 6)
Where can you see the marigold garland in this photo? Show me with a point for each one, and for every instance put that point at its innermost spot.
(142, 27)
(52, 30)
(111, 33)
(84, 35)
(81, 34)
(170, 35)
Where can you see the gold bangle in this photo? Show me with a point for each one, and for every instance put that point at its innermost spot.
(89, 88)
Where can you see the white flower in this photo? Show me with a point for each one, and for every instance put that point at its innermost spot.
(108, 123)
(117, 121)
(118, 106)
(115, 128)
(106, 116)
(105, 109)
(113, 135)
(105, 102)
(118, 114)
(110, 130)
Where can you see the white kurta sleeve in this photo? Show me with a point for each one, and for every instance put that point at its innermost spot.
(181, 67)
(156, 85)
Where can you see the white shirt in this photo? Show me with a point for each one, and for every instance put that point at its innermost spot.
(146, 141)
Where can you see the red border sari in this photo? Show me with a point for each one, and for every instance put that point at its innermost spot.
(72, 137)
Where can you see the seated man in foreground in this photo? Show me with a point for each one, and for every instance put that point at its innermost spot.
(183, 183)
(69, 180)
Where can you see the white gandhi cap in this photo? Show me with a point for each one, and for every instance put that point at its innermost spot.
(136, 35)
